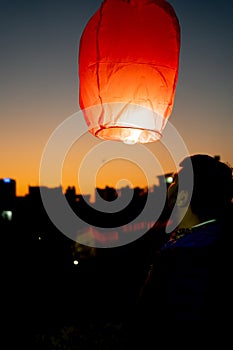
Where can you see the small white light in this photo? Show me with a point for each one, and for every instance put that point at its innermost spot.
(7, 214)
(169, 179)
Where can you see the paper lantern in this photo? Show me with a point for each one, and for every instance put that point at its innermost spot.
(128, 69)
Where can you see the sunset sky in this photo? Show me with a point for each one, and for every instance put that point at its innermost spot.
(39, 87)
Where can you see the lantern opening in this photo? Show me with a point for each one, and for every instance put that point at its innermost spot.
(128, 135)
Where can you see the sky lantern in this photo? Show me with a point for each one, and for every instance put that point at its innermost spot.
(128, 69)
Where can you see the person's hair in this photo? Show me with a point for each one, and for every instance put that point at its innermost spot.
(212, 186)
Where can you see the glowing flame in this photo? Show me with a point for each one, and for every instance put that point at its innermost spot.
(132, 137)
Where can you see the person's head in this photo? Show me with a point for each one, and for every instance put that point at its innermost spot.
(211, 193)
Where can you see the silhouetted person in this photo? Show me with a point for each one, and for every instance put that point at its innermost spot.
(186, 299)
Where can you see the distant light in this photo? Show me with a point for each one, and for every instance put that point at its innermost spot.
(75, 262)
(169, 179)
(7, 180)
(7, 214)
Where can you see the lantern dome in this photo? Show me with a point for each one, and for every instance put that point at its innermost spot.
(128, 69)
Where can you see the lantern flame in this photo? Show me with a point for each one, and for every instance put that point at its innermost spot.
(133, 137)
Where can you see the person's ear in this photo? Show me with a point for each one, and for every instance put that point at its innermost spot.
(182, 198)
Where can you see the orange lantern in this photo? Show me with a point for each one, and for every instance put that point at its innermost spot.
(128, 69)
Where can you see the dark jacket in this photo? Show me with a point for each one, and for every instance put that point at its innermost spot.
(188, 290)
